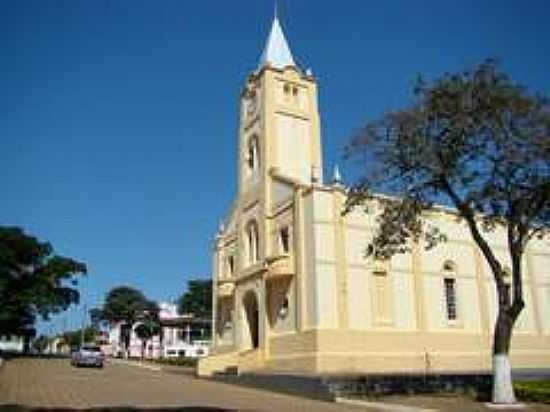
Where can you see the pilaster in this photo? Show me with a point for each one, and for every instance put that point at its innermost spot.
(299, 260)
(418, 288)
(484, 303)
(533, 290)
(341, 260)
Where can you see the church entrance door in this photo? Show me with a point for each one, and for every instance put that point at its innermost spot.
(250, 303)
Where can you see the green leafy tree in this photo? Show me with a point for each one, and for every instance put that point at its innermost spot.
(197, 299)
(145, 330)
(96, 318)
(128, 305)
(40, 344)
(74, 338)
(34, 282)
(481, 143)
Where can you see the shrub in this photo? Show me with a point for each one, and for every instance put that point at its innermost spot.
(533, 391)
(180, 361)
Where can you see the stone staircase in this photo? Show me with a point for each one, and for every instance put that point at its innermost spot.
(217, 364)
(231, 363)
(250, 360)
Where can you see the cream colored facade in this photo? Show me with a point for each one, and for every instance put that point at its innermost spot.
(294, 292)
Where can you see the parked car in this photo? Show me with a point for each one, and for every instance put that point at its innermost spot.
(88, 356)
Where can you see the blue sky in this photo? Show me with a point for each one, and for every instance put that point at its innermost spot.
(118, 119)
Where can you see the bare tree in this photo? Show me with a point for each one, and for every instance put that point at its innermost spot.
(479, 142)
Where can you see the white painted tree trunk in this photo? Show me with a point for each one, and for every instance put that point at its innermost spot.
(503, 391)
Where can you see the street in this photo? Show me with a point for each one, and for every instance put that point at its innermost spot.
(53, 383)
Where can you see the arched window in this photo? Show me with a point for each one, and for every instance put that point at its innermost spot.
(449, 266)
(252, 242)
(230, 265)
(252, 155)
(284, 237)
(449, 285)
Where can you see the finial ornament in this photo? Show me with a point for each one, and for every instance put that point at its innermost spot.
(336, 176)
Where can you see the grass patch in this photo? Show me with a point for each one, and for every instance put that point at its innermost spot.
(533, 391)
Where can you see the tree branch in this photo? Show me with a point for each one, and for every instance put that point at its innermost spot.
(468, 214)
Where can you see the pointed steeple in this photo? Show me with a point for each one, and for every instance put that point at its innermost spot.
(276, 52)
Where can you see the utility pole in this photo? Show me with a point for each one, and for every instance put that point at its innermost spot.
(85, 306)
(50, 338)
(83, 326)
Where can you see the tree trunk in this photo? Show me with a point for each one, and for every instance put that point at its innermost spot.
(503, 390)
(143, 343)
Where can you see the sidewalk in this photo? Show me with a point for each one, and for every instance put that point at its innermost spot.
(154, 366)
(136, 363)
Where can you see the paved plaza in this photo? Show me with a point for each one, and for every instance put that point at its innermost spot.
(53, 383)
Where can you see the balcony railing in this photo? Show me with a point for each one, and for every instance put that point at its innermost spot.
(280, 266)
(226, 289)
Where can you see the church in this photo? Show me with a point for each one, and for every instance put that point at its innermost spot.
(292, 289)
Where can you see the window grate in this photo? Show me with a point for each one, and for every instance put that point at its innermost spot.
(450, 297)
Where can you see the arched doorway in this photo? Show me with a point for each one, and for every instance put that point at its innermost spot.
(251, 314)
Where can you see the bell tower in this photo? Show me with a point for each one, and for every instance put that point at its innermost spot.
(279, 119)
(279, 155)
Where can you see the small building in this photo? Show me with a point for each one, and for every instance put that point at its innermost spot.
(58, 346)
(181, 336)
(12, 343)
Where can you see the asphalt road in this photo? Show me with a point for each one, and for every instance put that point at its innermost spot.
(53, 383)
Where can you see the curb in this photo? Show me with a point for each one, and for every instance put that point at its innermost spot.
(389, 407)
(499, 406)
(136, 364)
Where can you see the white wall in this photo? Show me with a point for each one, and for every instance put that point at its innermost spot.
(11, 343)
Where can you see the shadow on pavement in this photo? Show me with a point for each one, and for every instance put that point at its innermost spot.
(18, 408)
(13, 355)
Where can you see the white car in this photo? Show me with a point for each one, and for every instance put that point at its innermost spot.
(88, 356)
